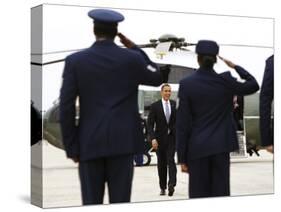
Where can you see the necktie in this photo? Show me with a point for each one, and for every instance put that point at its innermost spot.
(167, 111)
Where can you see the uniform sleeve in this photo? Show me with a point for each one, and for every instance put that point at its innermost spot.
(151, 123)
(250, 85)
(149, 71)
(266, 98)
(183, 126)
(68, 95)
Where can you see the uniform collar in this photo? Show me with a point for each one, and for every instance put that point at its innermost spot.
(106, 42)
(206, 71)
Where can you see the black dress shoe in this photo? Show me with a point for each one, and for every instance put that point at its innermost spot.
(162, 192)
(171, 191)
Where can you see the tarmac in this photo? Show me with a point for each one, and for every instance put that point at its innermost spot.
(55, 181)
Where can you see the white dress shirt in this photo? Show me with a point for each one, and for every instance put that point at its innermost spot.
(164, 106)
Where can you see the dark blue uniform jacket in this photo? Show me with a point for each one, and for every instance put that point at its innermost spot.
(266, 99)
(105, 77)
(205, 124)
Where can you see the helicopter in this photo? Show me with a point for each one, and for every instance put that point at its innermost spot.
(178, 55)
(165, 43)
(174, 41)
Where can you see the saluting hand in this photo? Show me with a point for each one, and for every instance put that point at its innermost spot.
(184, 168)
(227, 62)
(126, 41)
(75, 159)
(270, 149)
(154, 144)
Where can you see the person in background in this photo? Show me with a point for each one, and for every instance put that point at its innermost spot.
(206, 132)
(139, 157)
(238, 111)
(266, 100)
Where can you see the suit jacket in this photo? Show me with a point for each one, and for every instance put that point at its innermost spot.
(205, 124)
(105, 77)
(157, 124)
(266, 98)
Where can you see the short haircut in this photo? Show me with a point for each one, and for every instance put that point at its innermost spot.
(207, 61)
(105, 30)
(165, 85)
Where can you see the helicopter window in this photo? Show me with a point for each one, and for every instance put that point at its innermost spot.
(177, 72)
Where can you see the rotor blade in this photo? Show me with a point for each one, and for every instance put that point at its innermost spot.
(76, 50)
(245, 45)
(191, 44)
(57, 52)
(184, 49)
(150, 45)
(47, 63)
(237, 45)
(72, 50)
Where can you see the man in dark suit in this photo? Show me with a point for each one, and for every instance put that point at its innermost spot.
(238, 111)
(105, 77)
(266, 99)
(161, 129)
(206, 131)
